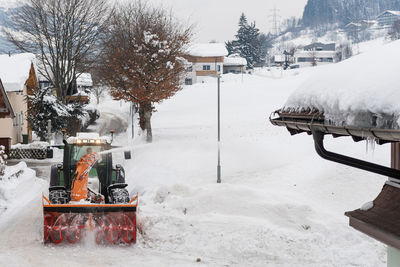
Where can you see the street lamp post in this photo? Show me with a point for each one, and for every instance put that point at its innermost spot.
(219, 131)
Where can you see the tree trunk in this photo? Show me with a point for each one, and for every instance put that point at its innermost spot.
(145, 113)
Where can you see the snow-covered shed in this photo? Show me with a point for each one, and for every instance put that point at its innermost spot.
(206, 60)
(234, 64)
(15, 71)
(358, 97)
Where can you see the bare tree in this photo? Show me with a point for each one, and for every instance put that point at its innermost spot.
(143, 57)
(313, 56)
(63, 36)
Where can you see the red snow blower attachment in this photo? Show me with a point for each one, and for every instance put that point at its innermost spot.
(87, 194)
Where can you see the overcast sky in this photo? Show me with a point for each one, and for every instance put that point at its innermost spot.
(218, 19)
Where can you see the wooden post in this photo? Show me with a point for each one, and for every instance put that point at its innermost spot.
(393, 255)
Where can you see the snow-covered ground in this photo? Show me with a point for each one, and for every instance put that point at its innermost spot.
(279, 204)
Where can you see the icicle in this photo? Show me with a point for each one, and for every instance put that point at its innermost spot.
(370, 144)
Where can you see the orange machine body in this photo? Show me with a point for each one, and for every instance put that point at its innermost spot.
(79, 188)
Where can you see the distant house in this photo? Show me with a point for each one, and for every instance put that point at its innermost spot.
(388, 17)
(204, 60)
(315, 54)
(18, 78)
(234, 64)
(278, 60)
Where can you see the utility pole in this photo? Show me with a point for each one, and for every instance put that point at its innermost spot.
(275, 20)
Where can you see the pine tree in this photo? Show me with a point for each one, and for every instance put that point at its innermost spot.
(248, 43)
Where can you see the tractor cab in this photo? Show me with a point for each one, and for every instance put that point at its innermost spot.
(103, 176)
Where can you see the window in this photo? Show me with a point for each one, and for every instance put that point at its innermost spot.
(219, 68)
(188, 81)
(206, 67)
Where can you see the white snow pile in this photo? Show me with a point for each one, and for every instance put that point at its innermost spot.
(362, 91)
(208, 50)
(18, 185)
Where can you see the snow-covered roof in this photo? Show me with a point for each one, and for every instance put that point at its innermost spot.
(353, 24)
(323, 54)
(279, 58)
(207, 50)
(350, 90)
(14, 70)
(235, 61)
(394, 12)
(84, 79)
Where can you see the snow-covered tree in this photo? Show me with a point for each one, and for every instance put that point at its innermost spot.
(44, 106)
(142, 58)
(343, 51)
(248, 43)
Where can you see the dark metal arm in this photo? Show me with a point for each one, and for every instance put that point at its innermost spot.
(349, 161)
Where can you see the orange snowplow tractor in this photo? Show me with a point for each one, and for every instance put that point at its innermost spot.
(79, 188)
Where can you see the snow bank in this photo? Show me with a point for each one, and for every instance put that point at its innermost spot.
(361, 91)
(36, 144)
(17, 187)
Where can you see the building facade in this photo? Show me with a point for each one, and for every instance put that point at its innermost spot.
(204, 60)
(315, 54)
(388, 18)
(15, 71)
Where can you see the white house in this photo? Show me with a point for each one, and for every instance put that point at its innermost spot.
(204, 60)
(388, 17)
(15, 70)
(315, 54)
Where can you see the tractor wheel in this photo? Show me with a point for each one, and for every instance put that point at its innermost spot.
(58, 196)
(119, 195)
